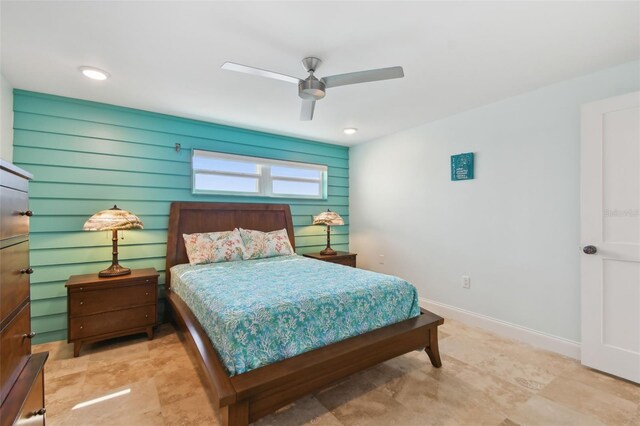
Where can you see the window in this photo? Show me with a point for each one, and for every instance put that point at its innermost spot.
(218, 173)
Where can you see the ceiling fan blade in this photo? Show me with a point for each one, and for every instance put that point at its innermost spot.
(306, 113)
(363, 76)
(231, 66)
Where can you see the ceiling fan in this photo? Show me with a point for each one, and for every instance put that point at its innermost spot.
(311, 89)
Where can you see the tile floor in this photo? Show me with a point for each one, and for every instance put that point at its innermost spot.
(485, 380)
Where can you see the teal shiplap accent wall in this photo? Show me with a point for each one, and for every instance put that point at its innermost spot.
(87, 156)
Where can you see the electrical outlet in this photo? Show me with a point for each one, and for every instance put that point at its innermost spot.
(466, 281)
(381, 259)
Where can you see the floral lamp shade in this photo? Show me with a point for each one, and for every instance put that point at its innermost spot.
(328, 218)
(113, 219)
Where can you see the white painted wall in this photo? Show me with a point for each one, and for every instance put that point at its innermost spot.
(514, 229)
(6, 119)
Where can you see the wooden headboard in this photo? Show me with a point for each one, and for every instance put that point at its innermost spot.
(189, 218)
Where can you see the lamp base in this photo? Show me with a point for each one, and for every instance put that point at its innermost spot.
(328, 252)
(114, 270)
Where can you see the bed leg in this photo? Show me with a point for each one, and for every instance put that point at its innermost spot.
(167, 313)
(432, 350)
(235, 414)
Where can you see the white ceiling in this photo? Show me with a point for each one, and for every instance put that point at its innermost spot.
(166, 56)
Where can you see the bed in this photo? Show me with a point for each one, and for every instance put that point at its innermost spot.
(247, 396)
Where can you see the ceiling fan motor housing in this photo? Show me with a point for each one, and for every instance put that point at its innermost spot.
(311, 89)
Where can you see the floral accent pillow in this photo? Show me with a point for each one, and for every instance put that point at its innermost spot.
(213, 247)
(259, 244)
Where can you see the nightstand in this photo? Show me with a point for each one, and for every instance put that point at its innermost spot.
(342, 258)
(102, 308)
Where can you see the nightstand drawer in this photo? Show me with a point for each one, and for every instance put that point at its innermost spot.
(347, 261)
(112, 322)
(341, 258)
(95, 301)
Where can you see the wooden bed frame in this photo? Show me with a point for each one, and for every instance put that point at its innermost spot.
(246, 397)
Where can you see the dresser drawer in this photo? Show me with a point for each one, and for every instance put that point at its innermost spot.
(95, 301)
(24, 405)
(111, 322)
(15, 349)
(33, 410)
(12, 223)
(14, 277)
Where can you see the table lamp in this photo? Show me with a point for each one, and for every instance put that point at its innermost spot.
(115, 220)
(330, 219)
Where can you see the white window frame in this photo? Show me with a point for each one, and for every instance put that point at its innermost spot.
(265, 180)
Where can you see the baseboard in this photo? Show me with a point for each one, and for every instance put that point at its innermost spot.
(535, 338)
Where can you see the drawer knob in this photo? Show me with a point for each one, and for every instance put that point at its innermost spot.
(30, 335)
(28, 213)
(81, 302)
(40, 412)
(146, 294)
(81, 327)
(27, 271)
(146, 316)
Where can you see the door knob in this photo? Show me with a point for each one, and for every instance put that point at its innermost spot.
(590, 249)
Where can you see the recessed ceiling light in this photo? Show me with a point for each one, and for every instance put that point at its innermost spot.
(94, 73)
(350, 131)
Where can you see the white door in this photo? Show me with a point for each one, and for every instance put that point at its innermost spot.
(610, 232)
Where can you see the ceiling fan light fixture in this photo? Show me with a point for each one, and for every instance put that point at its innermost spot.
(94, 73)
(311, 89)
(350, 131)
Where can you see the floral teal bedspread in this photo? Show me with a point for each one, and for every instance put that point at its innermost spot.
(257, 312)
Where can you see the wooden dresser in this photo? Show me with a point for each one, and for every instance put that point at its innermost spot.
(102, 308)
(21, 373)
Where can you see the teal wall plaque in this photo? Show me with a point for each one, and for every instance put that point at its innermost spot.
(462, 166)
